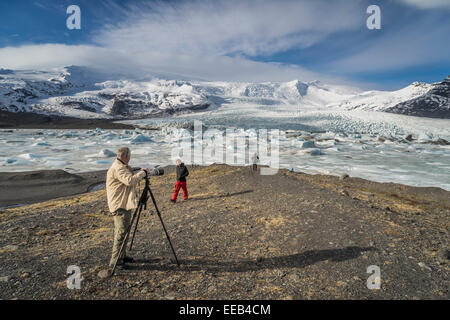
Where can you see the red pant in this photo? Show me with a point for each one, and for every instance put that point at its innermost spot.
(178, 185)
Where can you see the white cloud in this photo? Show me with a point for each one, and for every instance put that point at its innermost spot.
(202, 39)
(226, 27)
(139, 64)
(428, 4)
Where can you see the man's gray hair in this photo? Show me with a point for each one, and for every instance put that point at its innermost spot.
(123, 153)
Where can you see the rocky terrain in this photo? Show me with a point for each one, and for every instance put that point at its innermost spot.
(434, 104)
(240, 236)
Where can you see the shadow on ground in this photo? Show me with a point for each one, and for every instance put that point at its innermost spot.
(220, 195)
(299, 260)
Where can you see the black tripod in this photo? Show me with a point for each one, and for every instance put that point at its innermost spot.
(136, 215)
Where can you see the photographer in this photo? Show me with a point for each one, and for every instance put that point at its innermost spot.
(122, 199)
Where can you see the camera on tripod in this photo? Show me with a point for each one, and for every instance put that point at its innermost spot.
(153, 171)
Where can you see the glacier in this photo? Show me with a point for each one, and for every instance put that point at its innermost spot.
(327, 129)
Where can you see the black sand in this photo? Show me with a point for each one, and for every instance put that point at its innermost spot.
(28, 187)
(26, 120)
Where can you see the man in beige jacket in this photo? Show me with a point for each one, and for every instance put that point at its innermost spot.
(122, 199)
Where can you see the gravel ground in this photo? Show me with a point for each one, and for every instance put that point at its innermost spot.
(240, 236)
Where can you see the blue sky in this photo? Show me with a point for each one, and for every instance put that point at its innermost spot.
(236, 40)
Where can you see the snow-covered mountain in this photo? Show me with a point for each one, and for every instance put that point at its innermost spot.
(381, 100)
(87, 93)
(435, 103)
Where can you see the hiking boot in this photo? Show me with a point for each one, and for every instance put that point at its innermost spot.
(173, 201)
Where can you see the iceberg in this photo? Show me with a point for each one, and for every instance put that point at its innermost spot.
(140, 138)
(106, 153)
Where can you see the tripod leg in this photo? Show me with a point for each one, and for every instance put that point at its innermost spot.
(127, 233)
(164, 227)
(135, 228)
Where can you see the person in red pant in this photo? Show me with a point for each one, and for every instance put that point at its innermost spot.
(182, 173)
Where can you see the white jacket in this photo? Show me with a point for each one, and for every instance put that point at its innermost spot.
(121, 186)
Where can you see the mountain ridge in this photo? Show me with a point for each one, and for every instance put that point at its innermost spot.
(82, 92)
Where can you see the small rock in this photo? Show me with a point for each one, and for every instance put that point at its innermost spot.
(371, 243)
(211, 288)
(294, 277)
(341, 283)
(344, 192)
(10, 247)
(441, 142)
(423, 265)
(103, 274)
(443, 255)
(4, 279)
(170, 297)
(344, 176)
(259, 259)
(168, 260)
(281, 274)
(25, 275)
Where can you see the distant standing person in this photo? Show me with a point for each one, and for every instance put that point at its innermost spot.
(255, 160)
(182, 173)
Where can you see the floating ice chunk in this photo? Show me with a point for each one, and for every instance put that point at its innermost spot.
(141, 152)
(17, 162)
(140, 138)
(106, 153)
(109, 136)
(68, 135)
(424, 136)
(103, 162)
(30, 156)
(308, 144)
(310, 152)
(41, 144)
(56, 163)
(10, 160)
(337, 149)
(316, 152)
